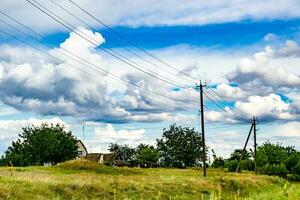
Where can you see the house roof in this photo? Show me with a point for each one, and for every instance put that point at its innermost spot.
(81, 143)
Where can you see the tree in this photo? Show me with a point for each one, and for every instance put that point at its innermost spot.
(218, 161)
(146, 155)
(124, 153)
(37, 145)
(246, 162)
(180, 147)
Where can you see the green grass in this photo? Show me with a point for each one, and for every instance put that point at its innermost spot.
(85, 180)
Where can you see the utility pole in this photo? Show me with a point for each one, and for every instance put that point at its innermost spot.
(202, 128)
(244, 149)
(254, 137)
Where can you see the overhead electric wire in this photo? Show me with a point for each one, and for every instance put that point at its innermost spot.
(234, 108)
(85, 61)
(130, 42)
(118, 56)
(127, 49)
(152, 128)
(92, 75)
(222, 109)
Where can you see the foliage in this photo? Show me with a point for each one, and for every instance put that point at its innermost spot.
(218, 162)
(147, 155)
(296, 171)
(180, 147)
(237, 153)
(274, 170)
(269, 153)
(123, 152)
(42, 144)
(231, 165)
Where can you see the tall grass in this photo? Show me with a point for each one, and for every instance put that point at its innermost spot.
(85, 180)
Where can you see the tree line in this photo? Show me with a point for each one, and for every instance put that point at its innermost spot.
(179, 147)
(271, 159)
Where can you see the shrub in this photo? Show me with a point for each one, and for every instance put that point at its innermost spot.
(296, 171)
(274, 170)
(232, 165)
(247, 165)
(218, 162)
(121, 163)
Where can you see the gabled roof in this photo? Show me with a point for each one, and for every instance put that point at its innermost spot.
(81, 143)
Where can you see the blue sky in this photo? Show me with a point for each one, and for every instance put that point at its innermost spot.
(249, 52)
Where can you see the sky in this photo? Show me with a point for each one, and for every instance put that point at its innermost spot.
(124, 70)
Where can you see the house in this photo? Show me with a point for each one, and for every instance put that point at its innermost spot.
(82, 151)
(100, 157)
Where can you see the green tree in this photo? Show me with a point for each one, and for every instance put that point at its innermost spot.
(37, 145)
(269, 153)
(180, 147)
(218, 161)
(246, 160)
(147, 155)
(123, 152)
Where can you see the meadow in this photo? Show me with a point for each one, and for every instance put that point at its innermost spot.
(86, 180)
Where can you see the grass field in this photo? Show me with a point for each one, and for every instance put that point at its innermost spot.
(83, 180)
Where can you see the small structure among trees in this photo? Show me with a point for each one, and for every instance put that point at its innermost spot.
(82, 151)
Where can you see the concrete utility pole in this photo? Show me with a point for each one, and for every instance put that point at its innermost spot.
(202, 128)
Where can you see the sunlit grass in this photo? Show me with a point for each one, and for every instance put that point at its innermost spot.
(84, 180)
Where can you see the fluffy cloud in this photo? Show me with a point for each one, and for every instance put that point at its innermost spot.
(60, 86)
(151, 13)
(9, 129)
(291, 48)
(266, 108)
(255, 73)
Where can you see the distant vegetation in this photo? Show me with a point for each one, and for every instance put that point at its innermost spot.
(41, 144)
(179, 147)
(272, 159)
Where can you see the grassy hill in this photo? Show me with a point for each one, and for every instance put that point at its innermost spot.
(85, 180)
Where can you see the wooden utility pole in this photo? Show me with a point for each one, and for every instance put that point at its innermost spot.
(202, 129)
(244, 149)
(254, 137)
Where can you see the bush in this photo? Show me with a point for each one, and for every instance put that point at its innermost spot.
(296, 171)
(274, 170)
(218, 162)
(247, 165)
(232, 165)
(121, 163)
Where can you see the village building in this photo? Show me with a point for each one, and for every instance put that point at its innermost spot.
(101, 157)
(82, 151)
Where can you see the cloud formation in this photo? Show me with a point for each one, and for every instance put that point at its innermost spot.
(50, 86)
(156, 13)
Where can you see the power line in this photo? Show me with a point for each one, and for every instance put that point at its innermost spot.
(128, 50)
(130, 42)
(85, 61)
(234, 108)
(222, 109)
(92, 75)
(118, 56)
